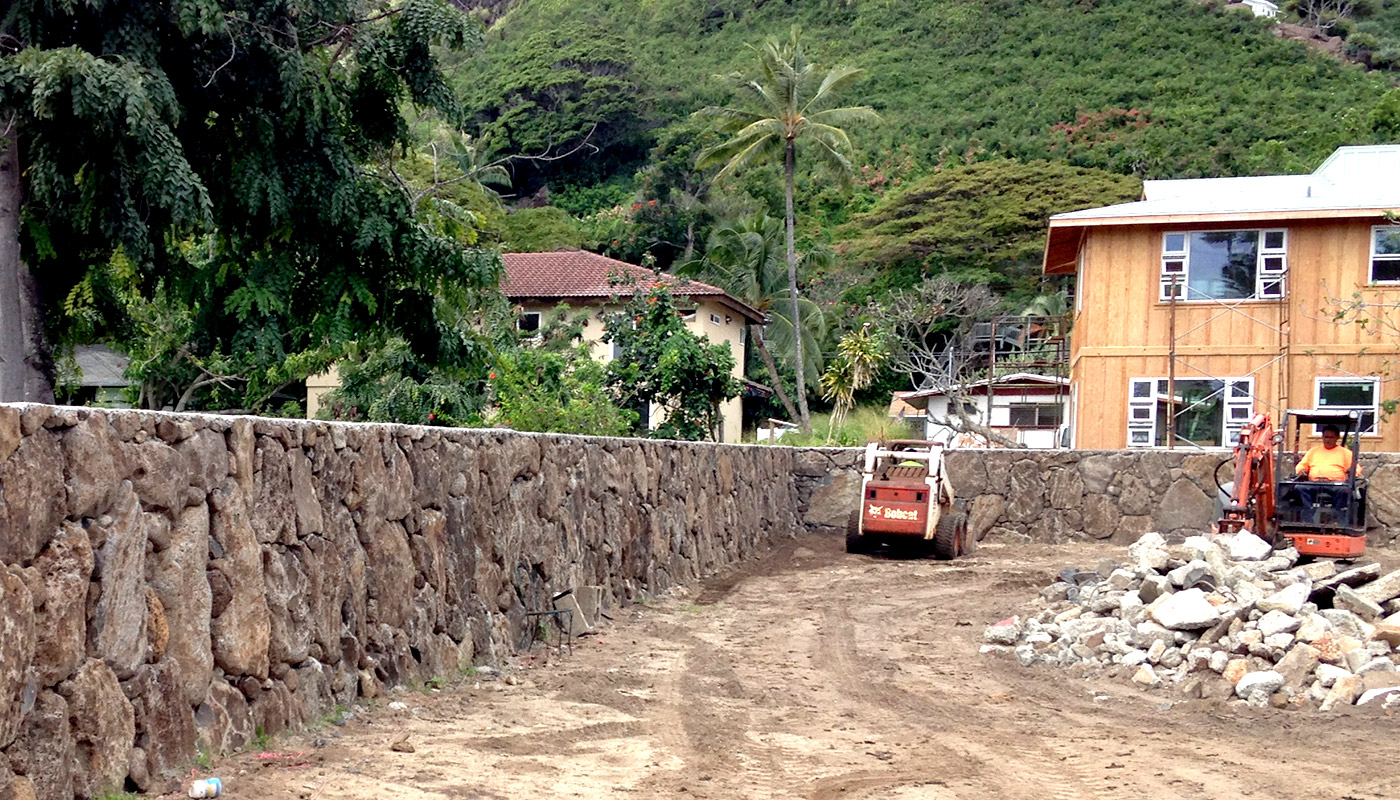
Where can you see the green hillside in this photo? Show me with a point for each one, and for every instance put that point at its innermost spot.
(1141, 88)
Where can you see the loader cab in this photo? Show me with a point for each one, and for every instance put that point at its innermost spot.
(1321, 517)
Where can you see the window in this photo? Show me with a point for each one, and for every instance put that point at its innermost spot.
(714, 318)
(1350, 393)
(1209, 412)
(1036, 415)
(1385, 255)
(1224, 265)
(529, 322)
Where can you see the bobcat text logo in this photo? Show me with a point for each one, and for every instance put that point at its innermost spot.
(893, 513)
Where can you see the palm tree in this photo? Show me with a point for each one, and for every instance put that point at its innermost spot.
(859, 355)
(791, 100)
(745, 259)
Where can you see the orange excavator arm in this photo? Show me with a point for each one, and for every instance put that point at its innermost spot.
(1252, 499)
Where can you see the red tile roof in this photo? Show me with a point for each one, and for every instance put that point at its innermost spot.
(578, 274)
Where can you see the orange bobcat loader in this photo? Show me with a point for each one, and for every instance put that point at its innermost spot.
(1318, 518)
(907, 499)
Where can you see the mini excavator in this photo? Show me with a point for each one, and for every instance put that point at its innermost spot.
(1318, 518)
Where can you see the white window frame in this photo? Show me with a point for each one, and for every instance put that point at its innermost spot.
(539, 322)
(1237, 400)
(1270, 268)
(1376, 232)
(1039, 409)
(1374, 408)
(714, 318)
(1079, 281)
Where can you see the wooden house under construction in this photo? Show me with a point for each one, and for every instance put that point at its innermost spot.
(1211, 299)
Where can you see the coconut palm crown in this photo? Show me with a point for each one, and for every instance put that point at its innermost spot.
(792, 100)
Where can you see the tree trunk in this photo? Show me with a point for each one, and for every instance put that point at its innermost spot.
(25, 374)
(772, 368)
(804, 418)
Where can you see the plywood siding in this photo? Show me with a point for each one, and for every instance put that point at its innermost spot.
(1122, 331)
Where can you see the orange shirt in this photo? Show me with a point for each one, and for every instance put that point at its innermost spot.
(1322, 464)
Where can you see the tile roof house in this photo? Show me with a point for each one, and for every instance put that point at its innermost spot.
(537, 282)
(1211, 299)
(581, 275)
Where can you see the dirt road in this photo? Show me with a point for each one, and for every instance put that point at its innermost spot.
(814, 674)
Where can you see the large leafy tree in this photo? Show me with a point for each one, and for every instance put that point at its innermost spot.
(209, 153)
(567, 101)
(657, 361)
(746, 259)
(791, 100)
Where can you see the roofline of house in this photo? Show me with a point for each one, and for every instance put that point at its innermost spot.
(1065, 236)
(1047, 381)
(719, 295)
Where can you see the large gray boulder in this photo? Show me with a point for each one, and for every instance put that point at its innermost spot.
(117, 629)
(17, 642)
(60, 614)
(178, 576)
(103, 726)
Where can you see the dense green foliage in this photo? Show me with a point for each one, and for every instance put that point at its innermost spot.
(984, 222)
(1376, 37)
(210, 156)
(962, 79)
(551, 382)
(658, 361)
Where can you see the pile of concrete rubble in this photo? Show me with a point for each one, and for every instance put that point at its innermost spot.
(1221, 617)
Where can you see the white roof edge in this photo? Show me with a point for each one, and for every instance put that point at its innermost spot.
(1015, 376)
(1353, 178)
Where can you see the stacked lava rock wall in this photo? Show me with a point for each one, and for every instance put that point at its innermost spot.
(170, 583)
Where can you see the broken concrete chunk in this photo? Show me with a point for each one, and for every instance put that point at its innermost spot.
(1191, 574)
(1277, 622)
(1287, 601)
(1298, 665)
(1381, 589)
(1267, 682)
(1377, 694)
(1349, 599)
(1341, 693)
(1146, 676)
(1186, 610)
(1245, 546)
(1311, 627)
(1004, 632)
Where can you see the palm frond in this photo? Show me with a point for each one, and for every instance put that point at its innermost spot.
(730, 118)
(845, 116)
(761, 148)
(837, 80)
(832, 136)
(834, 159)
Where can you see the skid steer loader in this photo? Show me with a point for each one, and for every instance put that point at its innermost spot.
(907, 500)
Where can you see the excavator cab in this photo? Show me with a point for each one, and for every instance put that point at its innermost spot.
(1321, 518)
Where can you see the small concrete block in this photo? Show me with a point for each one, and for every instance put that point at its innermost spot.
(578, 624)
(590, 601)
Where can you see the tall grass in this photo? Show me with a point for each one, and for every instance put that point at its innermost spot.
(865, 424)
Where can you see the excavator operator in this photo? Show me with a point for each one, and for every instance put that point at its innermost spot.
(1328, 461)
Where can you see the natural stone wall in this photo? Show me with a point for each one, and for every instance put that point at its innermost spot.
(170, 583)
(1051, 496)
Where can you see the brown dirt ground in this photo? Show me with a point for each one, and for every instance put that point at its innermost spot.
(814, 674)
